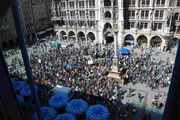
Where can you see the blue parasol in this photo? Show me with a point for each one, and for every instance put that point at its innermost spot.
(48, 113)
(18, 85)
(56, 44)
(65, 116)
(97, 112)
(59, 100)
(26, 91)
(20, 98)
(124, 51)
(77, 106)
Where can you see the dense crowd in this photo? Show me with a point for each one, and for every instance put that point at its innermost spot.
(67, 66)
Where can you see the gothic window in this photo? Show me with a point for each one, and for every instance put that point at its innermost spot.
(159, 14)
(157, 26)
(92, 14)
(159, 3)
(107, 2)
(107, 15)
(132, 14)
(63, 14)
(82, 14)
(63, 5)
(132, 3)
(143, 25)
(144, 3)
(72, 13)
(91, 3)
(81, 4)
(144, 14)
(71, 5)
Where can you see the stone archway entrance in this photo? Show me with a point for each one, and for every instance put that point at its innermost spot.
(63, 35)
(156, 41)
(81, 36)
(142, 41)
(90, 37)
(72, 36)
(109, 38)
(128, 40)
(108, 33)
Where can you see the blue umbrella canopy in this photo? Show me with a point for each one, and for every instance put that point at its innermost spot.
(124, 51)
(18, 85)
(26, 91)
(65, 116)
(20, 98)
(48, 113)
(97, 112)
(59, 100)
(77, 106)
(55, 44)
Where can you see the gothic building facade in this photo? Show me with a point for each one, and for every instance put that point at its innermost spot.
(142, 22)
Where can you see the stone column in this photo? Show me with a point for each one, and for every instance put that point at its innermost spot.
(115, 44)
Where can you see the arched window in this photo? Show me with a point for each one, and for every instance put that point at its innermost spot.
(107, 2)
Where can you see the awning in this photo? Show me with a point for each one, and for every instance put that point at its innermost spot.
(41, 32)
(49, 29)
(129, 40)
(73, 36)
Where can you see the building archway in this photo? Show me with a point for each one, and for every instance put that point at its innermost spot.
(174, 42)
(108, 33)
(106, 27)
(63, 35)
(72, 36)
(109, 38)
(142, 41)
(81, 36)
(90, 36)
(128, 40)
(156, 41)
(107, 15)
(107, 3)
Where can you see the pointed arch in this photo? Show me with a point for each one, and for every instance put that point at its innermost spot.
(142, 41)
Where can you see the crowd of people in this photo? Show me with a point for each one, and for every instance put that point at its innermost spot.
(67, 66)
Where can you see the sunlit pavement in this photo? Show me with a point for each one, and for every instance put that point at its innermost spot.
(145, 105)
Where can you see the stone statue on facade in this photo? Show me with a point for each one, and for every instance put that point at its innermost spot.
(169, 17)
(137, 24)
(53, 8)
(137, 15)
(117, 15)
(102, 13)
(58, 10)
(151, 18)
